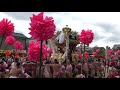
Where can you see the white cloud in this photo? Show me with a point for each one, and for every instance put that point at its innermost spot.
(77, 21)
(21, 26)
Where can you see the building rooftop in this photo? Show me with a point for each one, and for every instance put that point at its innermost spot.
(19, 35)
(116, 47)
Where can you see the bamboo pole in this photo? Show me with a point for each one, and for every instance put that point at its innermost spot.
(1, 41)
(40, 64)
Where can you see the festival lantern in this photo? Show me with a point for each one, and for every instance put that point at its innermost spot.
(41, 29)
(6, 29)
(7, 53)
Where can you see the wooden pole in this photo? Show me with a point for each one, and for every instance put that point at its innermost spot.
(40, 64)
(1, 41)
(83, 60)
(83, 54)
(106, 52)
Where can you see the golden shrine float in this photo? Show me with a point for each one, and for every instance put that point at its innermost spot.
(59, 44)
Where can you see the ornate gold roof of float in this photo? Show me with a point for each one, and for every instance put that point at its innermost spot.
(67, 31)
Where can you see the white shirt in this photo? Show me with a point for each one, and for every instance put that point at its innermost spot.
(5, 64)
(13, 65)
(80, 76)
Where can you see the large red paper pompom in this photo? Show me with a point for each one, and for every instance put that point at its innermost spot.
(94, 53)
(10, 40)
(86, 54)
(7, 53)
(118, 52)
(34, 51)
(86, 37)
(110, 52)
(112, 56)
(80, 56)
(21, 47)
(18, 45)
(6, 27)
(97, 50)
(42, 28)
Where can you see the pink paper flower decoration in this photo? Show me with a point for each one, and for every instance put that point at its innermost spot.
(86, 37)
(94, 53)
(6, 27)
(21, 47)
(42, 28)
(86, 54)
(34, 51)
(18, 45)
(10, 40)
(118, 52)
(97, 50)
(112, 56)
(110, 52)
(80, 56)
(7, 53)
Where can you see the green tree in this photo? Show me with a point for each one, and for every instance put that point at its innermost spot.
(102, 51)
(94, 48)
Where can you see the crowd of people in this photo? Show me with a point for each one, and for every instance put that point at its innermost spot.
(21, 67)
